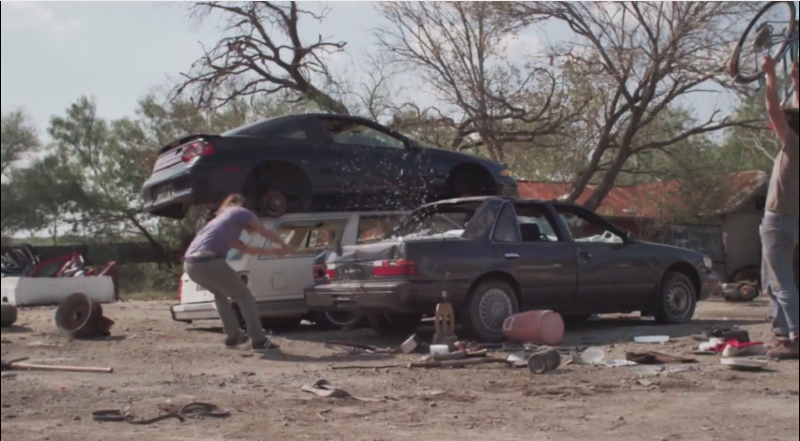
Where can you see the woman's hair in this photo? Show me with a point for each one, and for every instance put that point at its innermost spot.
(234, 200)
(793, 117)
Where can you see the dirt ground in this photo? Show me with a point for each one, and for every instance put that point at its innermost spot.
(157, 362)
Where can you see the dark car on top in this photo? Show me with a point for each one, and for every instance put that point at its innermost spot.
(491, 257)
(315, 162)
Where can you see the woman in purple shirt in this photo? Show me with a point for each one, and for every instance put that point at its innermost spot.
(205, 263)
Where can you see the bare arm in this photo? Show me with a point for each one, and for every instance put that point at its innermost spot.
(253, 251)
(774, 108)
(265, 232)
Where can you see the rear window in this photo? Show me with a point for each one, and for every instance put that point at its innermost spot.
(272, 128)
(308, 238)
(371, 228)
(448, 220)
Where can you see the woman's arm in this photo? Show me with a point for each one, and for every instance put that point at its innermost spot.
(774, 108)
(267, 233)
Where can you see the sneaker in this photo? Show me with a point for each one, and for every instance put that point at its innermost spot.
(265, 346)
(235, 342)
(788, 350)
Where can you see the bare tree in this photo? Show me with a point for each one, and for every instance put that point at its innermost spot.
(638, 61)
(261, 52)
(457, 48)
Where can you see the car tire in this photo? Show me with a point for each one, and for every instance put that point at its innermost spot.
(334, 321)
(394, 325)
(8, 315)
(677, 301)
(487, 309)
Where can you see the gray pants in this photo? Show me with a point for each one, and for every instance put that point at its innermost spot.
(222, 281)
(779, 239)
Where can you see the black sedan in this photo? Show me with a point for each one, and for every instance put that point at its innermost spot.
(492, 257)
(315, 163)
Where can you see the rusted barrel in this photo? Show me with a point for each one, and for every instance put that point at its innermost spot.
(545, 327)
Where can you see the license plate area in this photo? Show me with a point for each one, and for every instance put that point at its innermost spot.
(163, 192)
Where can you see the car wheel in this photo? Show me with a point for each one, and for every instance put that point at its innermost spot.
(678, 300)
(274, 204)
(489, 305)
(394, 325)
(336, 320)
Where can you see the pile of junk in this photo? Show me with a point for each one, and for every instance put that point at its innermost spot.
(28, 279)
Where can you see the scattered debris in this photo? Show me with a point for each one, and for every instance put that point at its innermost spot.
(82, 318)
(544, 362)
(8, 315)
(654, 358)
(18, 365)
(445, 324)
(324, 412)
(546, 327)
(324, 389)
(735, 349)
(591, 356)
(612, 364)
(654, 371)
(410, 345)
(193, 410)
(360, 367)
(745, 364)
(355, 348)
(7, 342)
(447, 356)
(742, 292)
(727, 334)
(440, 350)
(652, 339)
(458, 363)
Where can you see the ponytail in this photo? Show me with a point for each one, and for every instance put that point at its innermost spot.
(234, 200)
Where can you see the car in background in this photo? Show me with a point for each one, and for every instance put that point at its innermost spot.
(277, 283)
(312, 163)
(492, 257)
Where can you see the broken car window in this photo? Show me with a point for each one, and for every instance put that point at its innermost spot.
(308, 239)
(585, 228)
(507, 230)
(448, 220)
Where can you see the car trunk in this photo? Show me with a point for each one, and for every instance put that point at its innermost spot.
(360, 262)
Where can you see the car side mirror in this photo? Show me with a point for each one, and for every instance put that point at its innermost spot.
(414, 145)
(629, 237)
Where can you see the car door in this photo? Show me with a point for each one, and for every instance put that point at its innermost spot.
(371, 160)
(613, 270)
(284, 279)
(545, 264)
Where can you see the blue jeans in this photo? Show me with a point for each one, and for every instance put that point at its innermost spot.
(779, 236)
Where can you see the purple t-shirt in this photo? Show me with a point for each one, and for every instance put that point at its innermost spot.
(219, 235)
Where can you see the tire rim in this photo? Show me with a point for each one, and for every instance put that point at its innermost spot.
(275, 203)
(342, 319)
(679, 299)
(494, 309)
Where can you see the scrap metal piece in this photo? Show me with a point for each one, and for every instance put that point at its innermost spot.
(8, 315)
(544, 362)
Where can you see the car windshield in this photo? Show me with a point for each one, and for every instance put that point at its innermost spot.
(447, 220)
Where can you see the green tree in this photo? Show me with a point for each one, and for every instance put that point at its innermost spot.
(18, 139)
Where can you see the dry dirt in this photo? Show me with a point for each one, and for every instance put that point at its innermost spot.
(157, 361)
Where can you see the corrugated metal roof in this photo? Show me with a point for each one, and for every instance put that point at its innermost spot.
(652, 200)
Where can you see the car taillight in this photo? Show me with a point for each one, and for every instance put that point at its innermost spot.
(180, 291)
(197, 149)
(330, 274)
(394, 268)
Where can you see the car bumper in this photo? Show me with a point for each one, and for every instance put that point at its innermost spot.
(390, 297)
(194, 312)
(169, 193)
(711, 286)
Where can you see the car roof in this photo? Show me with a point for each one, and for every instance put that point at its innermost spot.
(484, 199)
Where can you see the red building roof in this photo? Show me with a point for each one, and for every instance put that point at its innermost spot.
(652, 200)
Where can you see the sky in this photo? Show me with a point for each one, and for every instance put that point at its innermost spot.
(54, 52)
